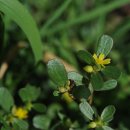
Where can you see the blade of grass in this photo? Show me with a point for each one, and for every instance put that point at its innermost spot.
(88, 16)
(2, 29)
(18, 13)
(55, 16)
(122, 30)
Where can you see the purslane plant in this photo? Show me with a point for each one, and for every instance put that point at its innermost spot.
(14, 117)
(98, 75)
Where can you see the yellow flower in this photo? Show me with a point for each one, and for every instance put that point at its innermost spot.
(20, 112)
(66, 88)
(100, 60)
(88, 69)
(62, 89)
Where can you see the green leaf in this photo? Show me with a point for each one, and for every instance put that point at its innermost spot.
(105, 45)
(29, 93)
(57, 72)
(112, 72)
(20, 124)
(18, 13)
(4, 122)
(107, 128)
(6, 99)
(81, 92)
(41, 122)
(86, 109)
(108, 85)
(104, 128)
(53, 109)
(97, 81)
(86, 57)
(76, 77)
(39, 107)
(108, 113)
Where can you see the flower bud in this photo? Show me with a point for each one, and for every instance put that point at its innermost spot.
(88, 69)
(92, 125)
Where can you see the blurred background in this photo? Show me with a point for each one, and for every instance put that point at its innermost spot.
(67, 26)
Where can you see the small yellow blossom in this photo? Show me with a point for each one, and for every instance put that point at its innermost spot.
(100, 60)
(88, 69)
(20, 112)
(65, 93)
(62, 89)
(66, 88)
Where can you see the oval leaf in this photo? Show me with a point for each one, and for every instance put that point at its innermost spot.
(81, 92)
(112, 72)
(105, 45)
(86, 57)
(96, 81)
(108, 113)
(39, 107)
(29, 93)
(6, 99)
(107, 128)
(18, 13)
(76, 77)
(19, 124)
(86, 109)
(41, 122)
(108, 85)
(57, 72)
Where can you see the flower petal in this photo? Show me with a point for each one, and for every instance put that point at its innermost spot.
(95, 56)
(101, 56)
(106, 61)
